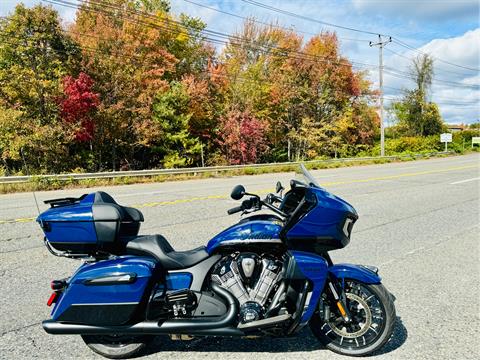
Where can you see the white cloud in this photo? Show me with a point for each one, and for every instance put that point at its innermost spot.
(457, 104)
(432, 10)
(463, 50)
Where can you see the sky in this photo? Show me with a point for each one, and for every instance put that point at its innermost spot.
(448, 30)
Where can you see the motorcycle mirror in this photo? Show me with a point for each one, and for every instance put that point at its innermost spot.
(279, 187)
(293, 184)
(237, 192)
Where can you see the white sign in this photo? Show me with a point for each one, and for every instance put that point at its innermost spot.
(476, 140)
(446, 137)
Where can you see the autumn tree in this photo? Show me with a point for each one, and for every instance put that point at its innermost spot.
(35, 54)
(132, 59)
(242, 137)
(131, 85)
(302, 90)
(78, 104)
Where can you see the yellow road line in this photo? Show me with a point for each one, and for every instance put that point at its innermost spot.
(180, 201)
(210, 197)
(20, 220)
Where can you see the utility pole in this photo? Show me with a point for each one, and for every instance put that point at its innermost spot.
(380, 45)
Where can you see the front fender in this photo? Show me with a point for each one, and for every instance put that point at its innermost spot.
(357, 272)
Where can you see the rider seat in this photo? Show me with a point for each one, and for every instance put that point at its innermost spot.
(158, 247)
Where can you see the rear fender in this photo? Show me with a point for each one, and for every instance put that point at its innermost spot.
(361, 273)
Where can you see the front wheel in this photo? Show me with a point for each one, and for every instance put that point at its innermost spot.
(372, 318)
(116, 346)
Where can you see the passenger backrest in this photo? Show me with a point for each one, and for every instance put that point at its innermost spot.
(113, 221)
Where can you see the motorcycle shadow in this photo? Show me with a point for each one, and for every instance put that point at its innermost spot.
(398, 338)
(302, 342)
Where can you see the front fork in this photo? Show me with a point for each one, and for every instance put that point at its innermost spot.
(336, 294)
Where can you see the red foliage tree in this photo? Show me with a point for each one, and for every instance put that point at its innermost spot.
(242, 137)
(77, 105)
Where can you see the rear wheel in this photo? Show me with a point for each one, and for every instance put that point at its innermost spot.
(116, 346)
(372, 318)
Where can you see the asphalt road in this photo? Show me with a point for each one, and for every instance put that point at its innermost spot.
(419, 223)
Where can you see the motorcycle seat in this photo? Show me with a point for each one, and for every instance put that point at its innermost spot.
(158, 247)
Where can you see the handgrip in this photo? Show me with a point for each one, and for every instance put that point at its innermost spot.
(235, 210)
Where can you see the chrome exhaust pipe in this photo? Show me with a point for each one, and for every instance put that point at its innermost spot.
(191, 326)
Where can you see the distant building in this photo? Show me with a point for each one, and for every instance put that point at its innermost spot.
(455, 128)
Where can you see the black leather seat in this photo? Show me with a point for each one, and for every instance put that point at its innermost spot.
(158, 247)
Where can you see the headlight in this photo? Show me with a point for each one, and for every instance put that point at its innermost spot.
(347, 227)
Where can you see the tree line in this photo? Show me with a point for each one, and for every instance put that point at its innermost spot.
(130, 85)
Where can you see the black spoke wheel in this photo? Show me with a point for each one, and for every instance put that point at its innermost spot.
(372, 317)
(116, 346)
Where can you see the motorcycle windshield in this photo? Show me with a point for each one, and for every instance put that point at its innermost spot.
(308, 177)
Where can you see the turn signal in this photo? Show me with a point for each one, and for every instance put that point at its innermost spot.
(57, 285)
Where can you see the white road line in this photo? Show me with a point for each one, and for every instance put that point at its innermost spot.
(464, 181)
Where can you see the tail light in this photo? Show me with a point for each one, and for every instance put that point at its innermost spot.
(52, 299)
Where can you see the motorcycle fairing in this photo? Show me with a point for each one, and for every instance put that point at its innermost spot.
(327, 225)
(315, 269)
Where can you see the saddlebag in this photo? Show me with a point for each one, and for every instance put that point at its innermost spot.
(108, 292)
(88, 225)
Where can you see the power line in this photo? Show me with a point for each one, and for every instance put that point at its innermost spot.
(411, 59)
(266, 24)
(216, 35)
(405, 45)
(396, 98)
(289, 13)
(138, 56)
(226, 39)
(396, 40)
(401, 75)
(300, 55)
(467, 101)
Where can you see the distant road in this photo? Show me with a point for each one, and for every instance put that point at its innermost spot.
(419, 223)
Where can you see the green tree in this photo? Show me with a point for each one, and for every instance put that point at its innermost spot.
(416, 116)
(170, 110)
(45, 147)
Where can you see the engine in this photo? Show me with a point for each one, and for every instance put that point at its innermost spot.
(251, 279)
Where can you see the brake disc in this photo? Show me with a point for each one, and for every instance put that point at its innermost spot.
(358, 307)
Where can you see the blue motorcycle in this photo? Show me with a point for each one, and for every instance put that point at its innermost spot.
(268, 275)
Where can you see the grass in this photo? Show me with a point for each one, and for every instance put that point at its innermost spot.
(43, 184)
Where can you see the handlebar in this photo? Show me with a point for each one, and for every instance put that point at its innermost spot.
(256, 202)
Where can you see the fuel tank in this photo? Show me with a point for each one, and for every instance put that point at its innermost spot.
(247, 233)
